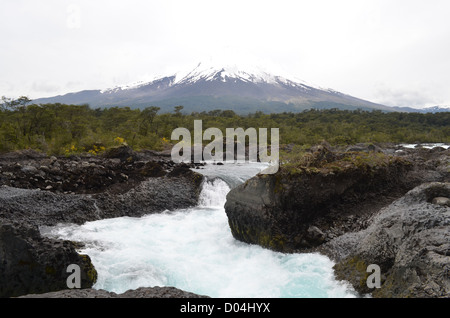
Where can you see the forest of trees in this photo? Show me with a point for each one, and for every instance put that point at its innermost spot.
(69, 129)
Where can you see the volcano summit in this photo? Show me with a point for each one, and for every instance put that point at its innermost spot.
(208, 87)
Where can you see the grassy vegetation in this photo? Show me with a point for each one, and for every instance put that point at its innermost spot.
(70, 129)
(322, 160)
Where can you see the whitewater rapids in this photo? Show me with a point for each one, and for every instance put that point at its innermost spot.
(193, 250)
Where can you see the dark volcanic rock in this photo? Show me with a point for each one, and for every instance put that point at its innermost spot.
(300, 208)
(153, 169)
(409, 240)
(36, 190)
(88, 174)
(143, 292)
(356, 209)
(327, 193)
(97, 188)
(123, 152)
(38, 207)
(30, 263)
(153, 195)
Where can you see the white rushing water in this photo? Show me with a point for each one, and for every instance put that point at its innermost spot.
(426, 145)
(193, 249)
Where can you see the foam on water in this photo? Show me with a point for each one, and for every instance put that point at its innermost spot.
(193, 249)
(426, 145)
(214, 193)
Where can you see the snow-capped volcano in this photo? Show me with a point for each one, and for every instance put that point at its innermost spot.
(205, 71)
(210, 73)
(233, 72)
(211, 86)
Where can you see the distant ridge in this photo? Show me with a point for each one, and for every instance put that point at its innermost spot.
(431, 109)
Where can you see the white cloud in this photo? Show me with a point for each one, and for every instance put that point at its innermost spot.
(405, 97)
(350, 45)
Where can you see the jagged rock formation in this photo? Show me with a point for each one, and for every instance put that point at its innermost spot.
(302, 207)
(409, 240)
(339, 203)
(31, 263)
(36, 190)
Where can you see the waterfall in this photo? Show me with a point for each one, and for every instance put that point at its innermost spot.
(214, 193)
(193, 249)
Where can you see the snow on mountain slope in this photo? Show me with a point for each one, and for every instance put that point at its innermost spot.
(437, 109)
(207, 71)
(219, 85)
(131, 85)
(431, 109)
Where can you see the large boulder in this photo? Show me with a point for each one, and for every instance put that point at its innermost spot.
(409, 240)
(302, 206)
(122, 152)
(177, 190)
(31, 264)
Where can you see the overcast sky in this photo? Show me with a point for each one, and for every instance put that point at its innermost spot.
(394, 52)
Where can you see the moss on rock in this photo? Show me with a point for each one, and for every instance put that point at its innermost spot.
(89, 271)
(354, 270)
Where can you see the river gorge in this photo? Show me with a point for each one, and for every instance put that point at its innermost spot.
(193, 249)
(139, 225)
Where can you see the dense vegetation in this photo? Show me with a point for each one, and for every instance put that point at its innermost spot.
(69, 129)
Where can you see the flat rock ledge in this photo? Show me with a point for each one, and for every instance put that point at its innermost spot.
(143, 292)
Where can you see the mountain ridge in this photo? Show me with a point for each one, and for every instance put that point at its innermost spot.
(208, 87)
(430, 109)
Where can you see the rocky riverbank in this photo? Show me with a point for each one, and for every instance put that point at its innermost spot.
(339, 191)
(36, 190)
(143, 292)
(361, 205)
(409, 240)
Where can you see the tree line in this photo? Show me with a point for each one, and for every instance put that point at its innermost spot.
(60, 129)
